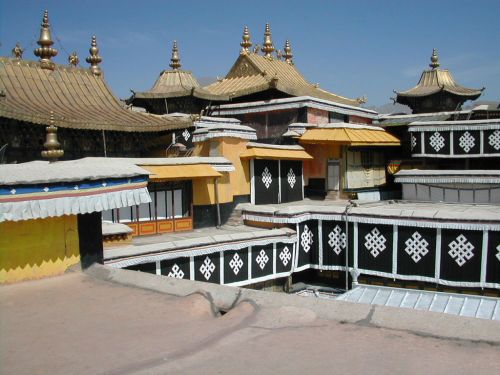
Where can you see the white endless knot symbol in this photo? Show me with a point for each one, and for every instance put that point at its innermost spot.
(285, 256)
(262, 259)
(176, 272)
(207, 268)
(186, 134)
(461, 250)
(375, 242)
(337, 240)
(267, 178)
(413, 142)
(416, 247)
(306, 239)
(466, 141)
(437, 141)
(291, 178)
(236, 263)
(494, 140)
(498, 254)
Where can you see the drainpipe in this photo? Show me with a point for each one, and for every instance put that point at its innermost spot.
(216, 188)
(346, 214)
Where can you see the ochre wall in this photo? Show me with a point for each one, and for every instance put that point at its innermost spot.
(316, 168)
(231, 183)
(31, 249)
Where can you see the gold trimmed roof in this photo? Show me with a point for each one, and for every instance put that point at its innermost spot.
(435, 80)
(270, 151)
(176, 83)
(253, 73)
(350, 134)
(78, 98)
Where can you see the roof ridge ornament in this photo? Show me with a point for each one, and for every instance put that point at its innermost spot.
(246, 43)
(268, 46)
(434, 59)
(94, 59)
(288, 55)
(45, 51)
(52, 146)
(175, 61)
(17, 51)
(73, 59)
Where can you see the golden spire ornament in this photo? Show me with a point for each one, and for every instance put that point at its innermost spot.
(73, 59)
(434, 59)
(175, 61)
(246, 43)
(17, 52)
(94, 59)
(288, 53)
(268, 46)
(45, 51)
(52, 146)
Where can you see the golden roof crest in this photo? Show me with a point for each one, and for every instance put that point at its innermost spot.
(45, 51)
(94, 59)
(268, 46)
(175, 61)
(246, 43)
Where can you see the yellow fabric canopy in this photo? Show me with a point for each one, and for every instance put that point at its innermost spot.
(180, 172)
(273, 153)
(351, 137)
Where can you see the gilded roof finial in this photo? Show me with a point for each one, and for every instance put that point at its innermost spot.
(246, 43)
(434, 59)
(73, 59)
(288, 53)
(94, 59)
(175, 61)
(52, 146)
(17, 51)
(268, 46)
(45, 51)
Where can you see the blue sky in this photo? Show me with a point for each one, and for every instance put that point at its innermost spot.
(352, 48)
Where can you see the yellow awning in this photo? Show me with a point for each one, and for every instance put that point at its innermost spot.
(273, 153)
(351, 137)
(180, 172)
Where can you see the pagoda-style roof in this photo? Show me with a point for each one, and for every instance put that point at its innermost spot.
(176, 83)
(78, 98)
(435, 81)
(253, 73)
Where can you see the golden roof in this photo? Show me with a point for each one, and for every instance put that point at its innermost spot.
(175, 83)
(435, 80)
(349, 134)
(78, 98)
(253, 73)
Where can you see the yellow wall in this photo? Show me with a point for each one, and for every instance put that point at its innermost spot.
(231, 183)
(31, 249)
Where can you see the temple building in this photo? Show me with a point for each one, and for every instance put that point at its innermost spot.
(436, 91)
(91, 120)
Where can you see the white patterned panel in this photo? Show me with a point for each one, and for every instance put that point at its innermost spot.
(285, 255)
(466, 141)
(337, 240)
(461, 250)
(207, 268)
(236, 263)
(262, 259)
(498, 253)
(416, 247)
(436, 141)
(375, 242)
(186, 135)
(176, 272)
(413, 141)
(291, 178)
(494, 140)
(306, 239)
(267, 178)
